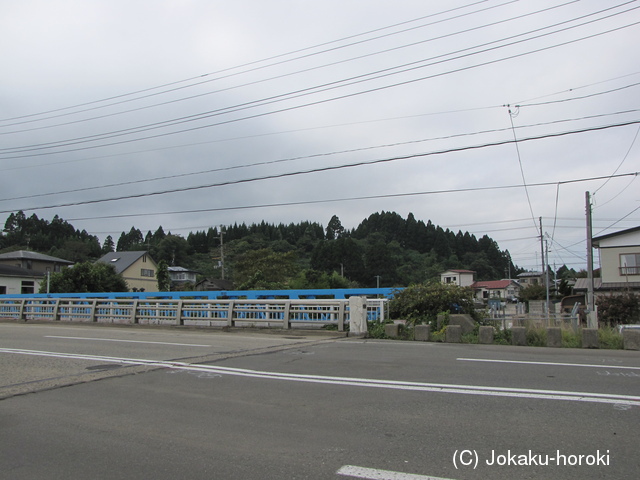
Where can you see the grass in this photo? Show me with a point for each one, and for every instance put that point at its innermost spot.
(609, 337)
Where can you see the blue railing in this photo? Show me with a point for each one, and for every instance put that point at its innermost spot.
(342, 293)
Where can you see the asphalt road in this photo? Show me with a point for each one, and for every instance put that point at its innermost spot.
(84, 401)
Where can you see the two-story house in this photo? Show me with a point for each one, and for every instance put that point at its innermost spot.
(462, 278)
(619, 262)
(137, 268)
(23, 271)
(34, 261)
(527, 279)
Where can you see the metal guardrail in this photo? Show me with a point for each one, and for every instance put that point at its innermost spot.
(336, 293)
(282, 313)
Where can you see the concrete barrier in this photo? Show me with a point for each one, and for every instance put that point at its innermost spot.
(519, 336)
(464, 321)
(422, 332)
(554, 337)
(590, 338)
(631, 339)
(485, 335)
(453, 334)
(392, 330)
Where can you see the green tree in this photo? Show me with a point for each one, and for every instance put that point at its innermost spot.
(334, 228)
(86, 277)
(533, 292)
(108, 246)
(265, 268)
(173, 249)
(162, 275)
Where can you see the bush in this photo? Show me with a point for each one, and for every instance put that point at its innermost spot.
(619, 309)
(571, 339)
(376, 330)
(502, 337)
(86, 277)
(537, 337)
(423, 302)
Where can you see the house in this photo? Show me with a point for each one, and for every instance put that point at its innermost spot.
(181, 277)
(18, 280)
(462, 278)
(506, 290)
(35, 262)
(213, 284)
(619, 262)
(527, 279)
(137, 268)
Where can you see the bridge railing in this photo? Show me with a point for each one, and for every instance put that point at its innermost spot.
(281, 313)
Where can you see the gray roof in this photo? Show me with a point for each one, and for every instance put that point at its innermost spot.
(29, 255)
(181, 269)
(11, 271)
(615, 234)
(122, 260)
(582, 284)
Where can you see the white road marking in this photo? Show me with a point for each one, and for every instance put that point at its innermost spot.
(544, 363)
(358, 382)
(376, 474)
(127, 341)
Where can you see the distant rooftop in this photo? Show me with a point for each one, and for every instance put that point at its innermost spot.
(29, 255)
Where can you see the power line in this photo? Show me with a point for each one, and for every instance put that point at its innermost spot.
(337, 167)
(274, 57)
(301, 71)
(344, 199)
(306, 157)
(305, 92)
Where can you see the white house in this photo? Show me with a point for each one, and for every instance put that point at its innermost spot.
(619, 256)
(462, 278)
(181, 274)
(18, 280)
(505, 290)
(619, 262)
(527, 279)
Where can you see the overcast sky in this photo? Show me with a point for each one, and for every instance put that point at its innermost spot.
(190, 114)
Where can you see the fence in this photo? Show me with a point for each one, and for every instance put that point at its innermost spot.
(282, 313)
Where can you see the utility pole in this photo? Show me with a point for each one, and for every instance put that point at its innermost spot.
(541, 244)
(590, 286)
(546, 277)
(545, 270)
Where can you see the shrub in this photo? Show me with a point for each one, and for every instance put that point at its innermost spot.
(571, 339)
(536, 337)
(502, 337)
(423, 302)
(619, 309)
(376, 330)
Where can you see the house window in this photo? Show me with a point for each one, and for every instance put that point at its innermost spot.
(146, 272)
(630, 264)
(28, 287)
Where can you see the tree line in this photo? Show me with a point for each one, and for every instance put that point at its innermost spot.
(384, 250)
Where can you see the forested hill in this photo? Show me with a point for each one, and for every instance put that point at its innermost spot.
(384, 249)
